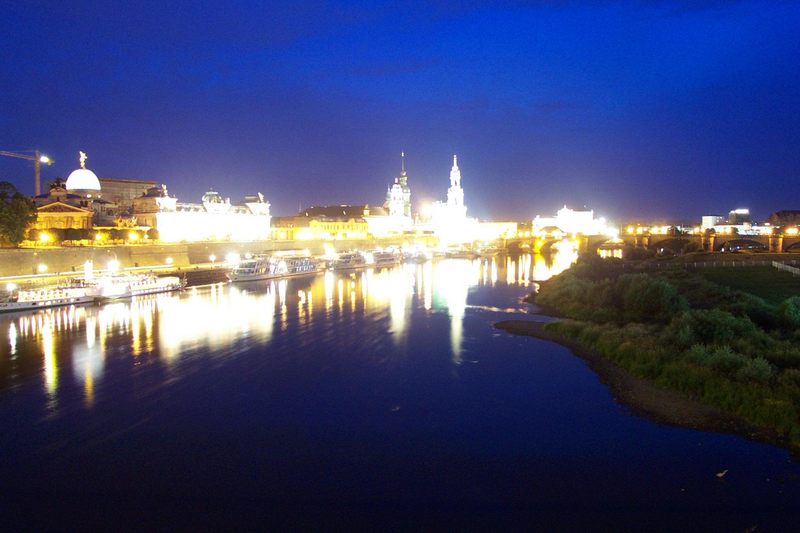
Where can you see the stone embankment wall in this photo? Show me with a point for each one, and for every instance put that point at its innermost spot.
(25, 261)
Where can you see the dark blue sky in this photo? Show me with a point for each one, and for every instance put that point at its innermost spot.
(637, 109)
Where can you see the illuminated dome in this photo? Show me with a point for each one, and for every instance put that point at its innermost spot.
(83, 179)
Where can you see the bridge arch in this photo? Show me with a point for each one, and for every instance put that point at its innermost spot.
(673, 244)
(741, 243)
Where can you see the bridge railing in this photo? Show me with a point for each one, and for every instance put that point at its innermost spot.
(782, 266)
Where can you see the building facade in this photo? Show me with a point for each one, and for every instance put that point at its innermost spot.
(331, 222)
(123, 191)
(76, 203)
(449, 219)
(214, 219)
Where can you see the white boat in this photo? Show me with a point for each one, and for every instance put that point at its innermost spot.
(461, 254)
(350, 261)
(265, 267)
(418, 256)
(386, 258)
(129, 285)
(27, 299)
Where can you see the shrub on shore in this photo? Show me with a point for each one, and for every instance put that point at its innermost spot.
(728, 348)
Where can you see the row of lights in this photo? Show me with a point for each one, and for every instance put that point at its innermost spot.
(45, 237)
(663, 230)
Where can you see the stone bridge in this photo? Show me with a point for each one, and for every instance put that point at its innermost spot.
(711, 242)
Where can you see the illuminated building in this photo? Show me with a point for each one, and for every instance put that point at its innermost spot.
(739, 216)
(738, 222)
(83, 180)
(215, 219)
(74, 204)
(569, 221)
(449, 220)
(398, 204)
(490, 231)
(123, 191)
(327, 223)
(709, 221)
(61, 215)
(399, 194)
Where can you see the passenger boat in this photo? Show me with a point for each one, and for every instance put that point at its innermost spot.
(386, 258)
(27, 299)
(418, 256)
(265, 267)
(461, 254)
(350, 261)
(129, 285)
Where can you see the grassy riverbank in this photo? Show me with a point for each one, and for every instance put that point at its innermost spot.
(680, 331)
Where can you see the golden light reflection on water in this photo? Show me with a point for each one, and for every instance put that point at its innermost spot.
(50, 364)
(12, 338)
(167, 326)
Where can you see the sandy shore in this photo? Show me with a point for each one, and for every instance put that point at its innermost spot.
(644, 397)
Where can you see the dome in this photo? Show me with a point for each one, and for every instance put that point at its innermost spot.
(83, 179)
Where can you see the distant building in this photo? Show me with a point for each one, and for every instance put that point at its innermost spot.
(785, 217)
(123, 191)
(449, 219)
(739, 216)
(570, 221)
(62, 215)
(76, 203)
(399, 194)
(396, 218)
(709, 221)
(490, 231)
(330, 222)
(215, 219)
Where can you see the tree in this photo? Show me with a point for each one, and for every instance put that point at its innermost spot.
(17, 212)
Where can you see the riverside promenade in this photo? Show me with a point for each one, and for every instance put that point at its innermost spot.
(66, 260)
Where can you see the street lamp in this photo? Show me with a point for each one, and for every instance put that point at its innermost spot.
(38, 159)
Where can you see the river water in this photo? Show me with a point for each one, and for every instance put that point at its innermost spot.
(374, 398)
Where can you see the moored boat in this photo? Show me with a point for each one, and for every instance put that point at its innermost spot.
(129, 285)
(418, 256)
(27, 299)
(266, 267)
(350, 261)
(386, 258)
(461, 254)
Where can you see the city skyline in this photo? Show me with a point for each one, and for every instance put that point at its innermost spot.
(666, 110)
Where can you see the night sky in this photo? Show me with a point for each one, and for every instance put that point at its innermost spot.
(637, 109)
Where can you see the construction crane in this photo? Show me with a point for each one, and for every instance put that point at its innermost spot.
(38, 158)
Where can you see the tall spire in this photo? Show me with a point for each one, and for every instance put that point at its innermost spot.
(403, 182)
(455, 174)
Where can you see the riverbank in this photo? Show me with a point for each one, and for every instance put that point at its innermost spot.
(643, 397)
(729, 350)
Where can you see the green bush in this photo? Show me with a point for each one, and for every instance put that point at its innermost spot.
(789, 312)
(724, 359)
(707, 326)
(698, 353)
(753, 307)
(729, 348)
(757, 369)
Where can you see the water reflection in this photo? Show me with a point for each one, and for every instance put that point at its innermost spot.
(211, 320)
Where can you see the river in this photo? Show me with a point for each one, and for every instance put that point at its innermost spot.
(372, 398)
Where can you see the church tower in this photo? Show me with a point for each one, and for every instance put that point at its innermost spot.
(455, 194)
(403, 181)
